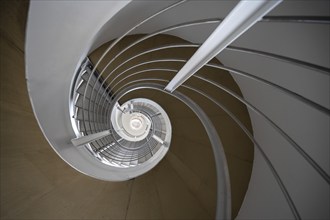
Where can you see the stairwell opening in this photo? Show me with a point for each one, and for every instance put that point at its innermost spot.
(152, 61)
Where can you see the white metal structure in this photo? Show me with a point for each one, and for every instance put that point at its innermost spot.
(240, 19)
(133, 136)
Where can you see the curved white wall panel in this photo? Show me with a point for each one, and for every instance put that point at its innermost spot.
(59, 34)
(307, 126)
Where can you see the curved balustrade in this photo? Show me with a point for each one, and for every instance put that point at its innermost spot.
(107, 73)
(98, 90)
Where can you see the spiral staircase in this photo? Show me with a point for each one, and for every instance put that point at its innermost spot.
(200, 109)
